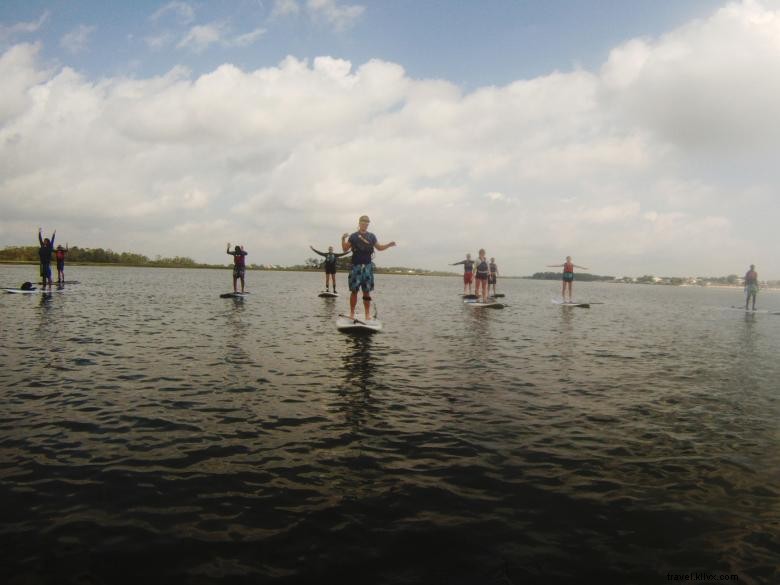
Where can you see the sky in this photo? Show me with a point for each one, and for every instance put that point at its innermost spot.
(638, 137)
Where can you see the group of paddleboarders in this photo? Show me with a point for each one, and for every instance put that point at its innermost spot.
(486, 275)
(363, 244)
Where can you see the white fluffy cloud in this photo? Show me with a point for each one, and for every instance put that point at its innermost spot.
(657, 163)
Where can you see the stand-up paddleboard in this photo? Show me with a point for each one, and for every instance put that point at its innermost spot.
(491, 304)
(233, 295)
(328, 294)
(344, 323)
(763, 311)
(571, 304)
(32, 291)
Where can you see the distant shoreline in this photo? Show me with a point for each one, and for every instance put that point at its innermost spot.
(379, 270)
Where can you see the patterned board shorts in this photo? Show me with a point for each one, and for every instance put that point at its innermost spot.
(568, 276)
(238, 271)
(361, 277)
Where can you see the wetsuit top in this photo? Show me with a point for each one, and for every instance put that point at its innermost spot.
(45, 251)
(751, 277)
(482, 267)
(362, 247)
(568, 267)
(468, 265)
(238, 257)
(493, 268)
(60, 255)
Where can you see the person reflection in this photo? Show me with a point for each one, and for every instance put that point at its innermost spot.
(360, 370)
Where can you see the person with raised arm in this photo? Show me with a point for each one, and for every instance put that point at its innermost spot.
(330, 265)
(468, 273)
(362, 243)
(44, 253)
(568, 276)
(239, 265)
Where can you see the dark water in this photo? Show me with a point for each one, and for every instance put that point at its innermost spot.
(151, 432)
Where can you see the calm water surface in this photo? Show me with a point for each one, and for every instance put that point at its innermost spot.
(151, 432)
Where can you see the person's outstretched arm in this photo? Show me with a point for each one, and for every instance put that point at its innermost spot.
(317, 251)
(381, 247)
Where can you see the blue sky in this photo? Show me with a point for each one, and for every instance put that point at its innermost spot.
(638, 137)
(468, 43)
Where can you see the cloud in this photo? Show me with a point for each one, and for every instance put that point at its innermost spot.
(246, 39)
(339, 17)
(706, 85)
(181, 11)
(10, 32)
(77, 40)
(199, 38)
(283, 8)
(629, 168)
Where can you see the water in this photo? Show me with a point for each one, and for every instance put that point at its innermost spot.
(151, 432)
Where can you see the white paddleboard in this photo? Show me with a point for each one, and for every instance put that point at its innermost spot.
(344, 323)
(233, 295)
(570, 304)
(744, 310)
(491, 304)
(328, 294)
(32, 291)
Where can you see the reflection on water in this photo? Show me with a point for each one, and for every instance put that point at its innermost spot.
(360, 369)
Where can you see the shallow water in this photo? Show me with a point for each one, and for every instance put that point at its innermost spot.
(153, 432)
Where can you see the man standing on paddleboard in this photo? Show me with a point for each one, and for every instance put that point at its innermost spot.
(44, 253)
(362, 243)
(239, 265)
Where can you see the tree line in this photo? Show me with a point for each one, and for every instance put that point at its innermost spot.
(96, 256)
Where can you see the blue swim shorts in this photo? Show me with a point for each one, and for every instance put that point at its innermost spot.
(361, 277)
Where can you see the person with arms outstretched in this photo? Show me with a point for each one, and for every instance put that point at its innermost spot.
(468, 273)
(330, 265)
(239, 265)
(361, 277)
(568, 276)
(44, 253)
(751, 286)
